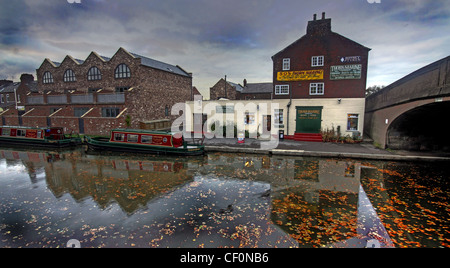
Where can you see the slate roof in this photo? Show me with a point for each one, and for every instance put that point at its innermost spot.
(160, 65)
(255, 88)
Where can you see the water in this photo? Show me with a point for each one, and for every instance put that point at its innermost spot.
(221, 200)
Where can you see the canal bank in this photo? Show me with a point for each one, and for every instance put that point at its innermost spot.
(319, 149)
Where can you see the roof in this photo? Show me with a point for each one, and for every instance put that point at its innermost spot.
(160, 65)
(145, 61)
(11, 88)
(258, 88)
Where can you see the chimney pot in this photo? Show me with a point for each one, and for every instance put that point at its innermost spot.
(315, 17)
(323, 15)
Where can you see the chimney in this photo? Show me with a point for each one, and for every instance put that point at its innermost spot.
(319, 27)
(245, 82)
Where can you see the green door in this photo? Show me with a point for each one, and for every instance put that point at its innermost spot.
(309, 119)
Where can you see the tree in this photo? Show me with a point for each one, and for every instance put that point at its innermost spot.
(373, 89)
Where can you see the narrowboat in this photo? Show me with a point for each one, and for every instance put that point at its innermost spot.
(144, 141)
(37, 137)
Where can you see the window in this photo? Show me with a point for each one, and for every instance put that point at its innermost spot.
(146, 139)
(69, 76)
(110, 112)
(21, 133)
(122, 71)
(132, 138)
(94, 74)
(3, 99)
(317, 61)
(119, 137)
(279, 118)
(281, 89)
(316, 88)
(249, 118)
(80, 111)
(7, 97)
(122, 89)
(166, 110)
(286, 64)
(352, 122)
(48, 78)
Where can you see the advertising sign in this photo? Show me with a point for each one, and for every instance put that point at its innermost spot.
(300, 75)
(342, 72)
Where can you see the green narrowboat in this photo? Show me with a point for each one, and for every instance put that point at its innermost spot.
(145, 141)
(52, 137)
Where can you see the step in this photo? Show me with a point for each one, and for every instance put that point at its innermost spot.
(316, 137)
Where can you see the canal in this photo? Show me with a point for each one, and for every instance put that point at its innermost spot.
(220, 200)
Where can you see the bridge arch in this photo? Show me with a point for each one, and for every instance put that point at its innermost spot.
(422, 128)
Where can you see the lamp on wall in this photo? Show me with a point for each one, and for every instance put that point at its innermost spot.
(339, 101)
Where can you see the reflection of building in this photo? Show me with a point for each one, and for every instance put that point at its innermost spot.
(129, 182)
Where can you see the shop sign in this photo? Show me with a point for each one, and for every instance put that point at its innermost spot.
(300, 75)
(351, 59)
(308, 113)
(341, 72)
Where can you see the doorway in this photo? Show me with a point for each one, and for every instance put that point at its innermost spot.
(309, 119)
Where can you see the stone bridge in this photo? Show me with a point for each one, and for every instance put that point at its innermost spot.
(413, 113)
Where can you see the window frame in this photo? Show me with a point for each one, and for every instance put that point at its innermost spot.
(349, 118)
(122, 71)
(47, 78)
(286, 64)
(69, 76)
(282, 89)
(315, 87)
(317, 61)
(94, 74)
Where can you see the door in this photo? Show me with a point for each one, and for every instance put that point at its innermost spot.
(81, 125)
(267, 125)
(309, 119)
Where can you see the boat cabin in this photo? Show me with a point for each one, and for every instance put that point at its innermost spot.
(52, 133)
(151, 138)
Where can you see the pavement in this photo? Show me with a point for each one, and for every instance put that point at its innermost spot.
(363, 150)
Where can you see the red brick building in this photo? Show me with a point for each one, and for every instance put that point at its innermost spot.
(323, 75)
(93, 96)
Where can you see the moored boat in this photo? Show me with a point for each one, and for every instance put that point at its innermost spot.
(144, 141)
(37, 137)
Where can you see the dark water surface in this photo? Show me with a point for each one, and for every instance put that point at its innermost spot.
(221, 200)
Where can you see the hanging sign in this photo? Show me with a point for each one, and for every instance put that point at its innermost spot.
(300, 75)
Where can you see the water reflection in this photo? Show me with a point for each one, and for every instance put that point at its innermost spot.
(220, 200)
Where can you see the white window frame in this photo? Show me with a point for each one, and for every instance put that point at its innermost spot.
(286, 64)
(316, 88)
(282, 90)
(317, 61)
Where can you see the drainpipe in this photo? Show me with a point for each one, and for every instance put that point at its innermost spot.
(288, 110)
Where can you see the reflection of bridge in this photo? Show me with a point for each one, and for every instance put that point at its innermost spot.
(410, 113)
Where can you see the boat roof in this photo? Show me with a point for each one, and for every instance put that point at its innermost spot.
(24, 127)
(144, 131)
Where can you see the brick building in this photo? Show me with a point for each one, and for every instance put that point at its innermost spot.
(234, 91)
(323, 75)
(319, 84)
(95, 95)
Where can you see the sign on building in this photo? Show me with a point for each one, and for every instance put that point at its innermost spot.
(300, 75)
(342, 72)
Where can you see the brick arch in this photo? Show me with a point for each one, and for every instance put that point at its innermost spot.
(380, 121)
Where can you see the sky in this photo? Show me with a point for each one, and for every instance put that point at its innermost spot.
(212, 38)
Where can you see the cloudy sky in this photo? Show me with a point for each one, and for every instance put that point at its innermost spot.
(214, 38)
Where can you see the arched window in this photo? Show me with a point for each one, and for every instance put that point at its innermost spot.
(48, 78)
(122, 71)
(69, 76)
(94, 74)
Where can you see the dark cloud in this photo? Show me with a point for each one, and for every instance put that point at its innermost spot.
(212, 38)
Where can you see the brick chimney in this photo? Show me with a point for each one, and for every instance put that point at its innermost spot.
(319, 27)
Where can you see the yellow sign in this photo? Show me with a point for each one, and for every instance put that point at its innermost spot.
(300, 75)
